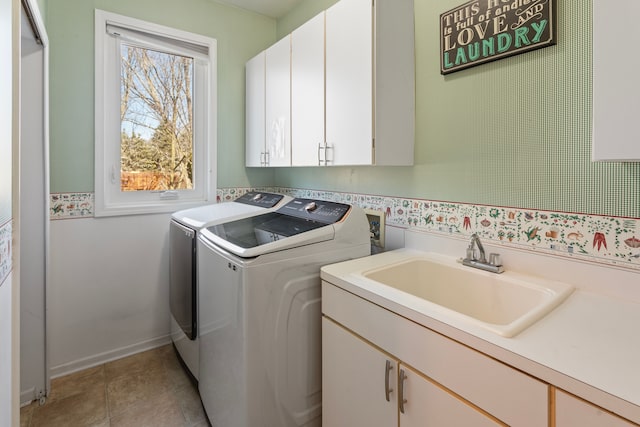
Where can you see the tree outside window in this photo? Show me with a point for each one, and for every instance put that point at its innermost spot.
(156, 113)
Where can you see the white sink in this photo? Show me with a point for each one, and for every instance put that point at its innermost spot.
(505, 304)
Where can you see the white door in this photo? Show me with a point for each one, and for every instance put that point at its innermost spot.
(349, 82)
(255, 105)
(307, 92)
(278, 103)
(34, 214)
(354, 377)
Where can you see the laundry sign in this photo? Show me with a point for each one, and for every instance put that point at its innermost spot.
(480, 31)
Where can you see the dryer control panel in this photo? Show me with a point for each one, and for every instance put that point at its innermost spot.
(315, 210)
(256, 198)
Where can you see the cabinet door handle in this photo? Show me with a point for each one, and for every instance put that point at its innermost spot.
(387, 389)
(327, 147)
(320, 147)
(401, 399)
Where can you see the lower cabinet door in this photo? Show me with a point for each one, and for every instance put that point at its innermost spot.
(426, 404)
(571, 412)
(353, 381)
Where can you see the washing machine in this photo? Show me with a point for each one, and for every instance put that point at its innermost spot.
(260, 313)
(183, 228)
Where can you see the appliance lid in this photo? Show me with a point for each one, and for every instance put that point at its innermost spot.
(249, 202)
(299, 222)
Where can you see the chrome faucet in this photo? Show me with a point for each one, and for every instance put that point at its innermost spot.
(494, 264)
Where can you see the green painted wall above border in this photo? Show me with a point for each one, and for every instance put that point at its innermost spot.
(70, 26)
(516, 132)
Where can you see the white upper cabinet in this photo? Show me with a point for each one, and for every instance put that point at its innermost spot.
(339, 90)
(278, 103)
(307, 92)
(349, 88)
(616, 88)
(370, 83)
(255, 120)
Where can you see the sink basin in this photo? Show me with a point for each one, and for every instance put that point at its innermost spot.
(505, 303)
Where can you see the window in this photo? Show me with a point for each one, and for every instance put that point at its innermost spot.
(155, 117)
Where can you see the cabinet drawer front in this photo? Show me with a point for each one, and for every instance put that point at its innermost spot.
(507, 394)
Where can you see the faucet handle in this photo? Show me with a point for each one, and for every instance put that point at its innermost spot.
(495, 259)
(471, 255)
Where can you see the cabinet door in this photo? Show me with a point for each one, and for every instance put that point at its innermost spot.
(349, 82)
(255, 119)
(353, 381)
(307, 92)
(571, 412)
(616, 92)
(278, 103)
(427, 404)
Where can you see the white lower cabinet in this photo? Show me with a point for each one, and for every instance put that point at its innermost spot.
(446, 382)
(572, 412)
(353, 381)
(365, 387)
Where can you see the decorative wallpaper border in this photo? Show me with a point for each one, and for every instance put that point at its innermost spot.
(613, 241)
(6, 259)
(71, 205)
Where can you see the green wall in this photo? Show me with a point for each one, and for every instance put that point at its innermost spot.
(516, 132)
(70, 26)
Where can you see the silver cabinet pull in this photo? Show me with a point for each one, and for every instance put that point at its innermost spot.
(387, 389)
(320, 148)
(326, 157)
(323, 147)
(401, 399)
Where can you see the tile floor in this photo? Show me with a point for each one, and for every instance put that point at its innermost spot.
(147, 389)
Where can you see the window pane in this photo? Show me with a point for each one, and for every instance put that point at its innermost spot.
(156, 144)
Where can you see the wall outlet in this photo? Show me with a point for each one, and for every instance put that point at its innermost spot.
(376, 229)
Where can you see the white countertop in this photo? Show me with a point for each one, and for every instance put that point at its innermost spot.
(588, 346)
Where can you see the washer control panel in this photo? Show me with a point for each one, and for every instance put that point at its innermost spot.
(316, 210)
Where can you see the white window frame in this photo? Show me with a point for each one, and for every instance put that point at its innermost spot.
(109, 199)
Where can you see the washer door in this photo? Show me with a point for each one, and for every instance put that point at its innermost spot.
(182, 285)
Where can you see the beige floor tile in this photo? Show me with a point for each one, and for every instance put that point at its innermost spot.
(76, 383)
(146, 389)
(178, 377)
(26, 412)
(129, 390)
(141, 362)
(189, 400)
(163, 410)
(79, 410)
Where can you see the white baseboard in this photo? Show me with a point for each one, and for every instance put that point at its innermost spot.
(107, 356)
(27, 396)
